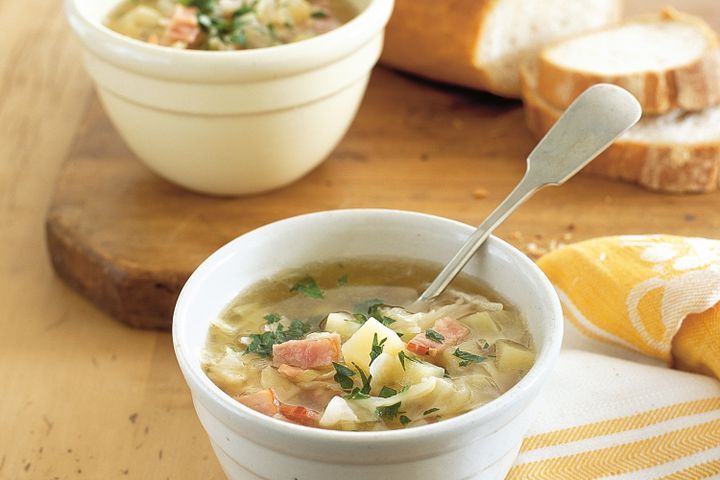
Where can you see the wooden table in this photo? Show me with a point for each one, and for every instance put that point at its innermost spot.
(84, 396)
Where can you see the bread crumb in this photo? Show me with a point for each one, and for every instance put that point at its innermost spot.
(538, 248)
(534, 250)
(480, 193)
(516, 235)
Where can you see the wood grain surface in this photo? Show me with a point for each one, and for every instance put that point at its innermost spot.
(128, 240)
(85, 396)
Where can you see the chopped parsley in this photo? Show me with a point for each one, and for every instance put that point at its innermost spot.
(229, 31)
(342, 376)
(359, 318)
(386, 392)
(308, 287)
(402, 356)
(389, 412)
(272, 318)
(367, 305)
(376, 348)
(434, 336)
(262, 344)
(431, 410)
(467, 357)
(244, 10)
(365, 380)
(356, 394)
(376, 312)
(387, 321)
(319, 14)
(404, 420)
(204, 6)
(342, 281)
(238, 38)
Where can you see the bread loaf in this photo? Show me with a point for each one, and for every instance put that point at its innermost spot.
(481, 43)
(678, 152)
(667, 62)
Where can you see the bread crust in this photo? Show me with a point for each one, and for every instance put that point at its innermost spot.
(417, 42)
(694, 86)
(661, 167)
(440, 40)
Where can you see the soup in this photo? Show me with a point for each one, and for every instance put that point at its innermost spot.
(228, 24)
(340, 345)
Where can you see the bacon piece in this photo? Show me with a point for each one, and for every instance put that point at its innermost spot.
(264, 401)
(420, 345)
(300, 415)
(312, 352)
(183, 26)
(452, 330)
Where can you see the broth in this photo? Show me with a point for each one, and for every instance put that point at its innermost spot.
(330, 345)
(228, 24)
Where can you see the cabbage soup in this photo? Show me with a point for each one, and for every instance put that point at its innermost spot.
(340, 345)
(228, 24)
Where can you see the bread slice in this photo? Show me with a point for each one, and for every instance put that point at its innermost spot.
(668, 62)
(480, 43)
(678, 152)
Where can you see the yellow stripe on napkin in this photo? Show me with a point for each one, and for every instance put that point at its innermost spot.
(652, 438)
(621, 424)
(655, 294)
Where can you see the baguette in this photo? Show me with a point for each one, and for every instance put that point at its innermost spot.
(481, 43)
(668, 62)
(678, 152)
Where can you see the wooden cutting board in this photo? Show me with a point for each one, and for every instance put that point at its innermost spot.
(128, 240)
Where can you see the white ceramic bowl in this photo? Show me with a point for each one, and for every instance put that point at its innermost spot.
(480, 444)
(231, 123)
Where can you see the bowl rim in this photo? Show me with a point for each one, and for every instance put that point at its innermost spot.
(291, 57)
(547, 353)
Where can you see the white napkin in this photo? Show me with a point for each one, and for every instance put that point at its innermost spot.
(604, 417)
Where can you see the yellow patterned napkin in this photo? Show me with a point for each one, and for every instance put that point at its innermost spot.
(633, 305)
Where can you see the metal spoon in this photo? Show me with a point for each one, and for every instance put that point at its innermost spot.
(593, 121)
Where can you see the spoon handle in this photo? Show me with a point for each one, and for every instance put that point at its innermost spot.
(593, 121)
(524, 190)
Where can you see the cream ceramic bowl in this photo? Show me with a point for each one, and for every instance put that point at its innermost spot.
(480, 444)
(230, 123)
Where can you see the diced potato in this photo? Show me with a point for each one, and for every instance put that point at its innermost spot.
(280, 14)
(299, 10)
(386, 370)
(342, 323)
(357, 348)
(137, 20)
(415, 372)
(482, 322)
(513, 357)
(338, 414)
